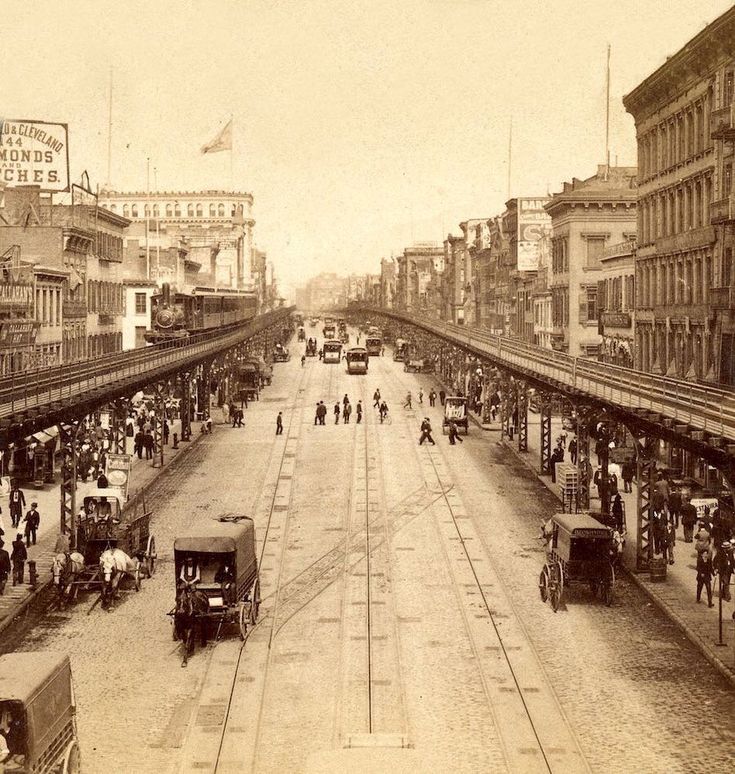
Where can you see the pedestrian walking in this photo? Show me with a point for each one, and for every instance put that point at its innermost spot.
(279, 423)
(148, 445)
(4, 567)
(383, 410)
(573, 451)
(407, 403)
(454, 433)
(17, 503)
(345, 400)
(432, 397)
(18, 557)
(376, 399)
(421, 396)
(688, 519)
(358, 411)
(722, 566)
(166, 432)
(704, 575)
(347, 413)
(321, 353)
(207, 425)
(426, 432)
(556, 456)
(33, 522)
(617, 512)
(628, 473)
(240, 416)
(337, 411)
(322, 413)
(442, 395)
(303, 360)
(317, 414)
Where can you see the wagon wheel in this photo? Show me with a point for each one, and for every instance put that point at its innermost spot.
(72, 759)
(556, 586)
(150, 557)
(244, 619)
(608, 584)
(543, 584)
(136, 577)
(255, 602)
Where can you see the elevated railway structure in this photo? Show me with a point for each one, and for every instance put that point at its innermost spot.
(32, 401)
(692, 416)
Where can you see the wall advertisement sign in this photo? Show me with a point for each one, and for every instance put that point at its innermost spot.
(533, 223)
(34, 153)
(18, 334)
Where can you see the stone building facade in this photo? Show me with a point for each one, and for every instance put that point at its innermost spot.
(616, 304)
(683, 308)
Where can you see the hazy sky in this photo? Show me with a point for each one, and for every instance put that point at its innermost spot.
(359, 126)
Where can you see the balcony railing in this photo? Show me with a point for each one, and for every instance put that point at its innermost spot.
(723, 210)
(722, 123)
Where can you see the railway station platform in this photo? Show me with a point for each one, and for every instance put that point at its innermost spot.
(17, 598)
(676, 595)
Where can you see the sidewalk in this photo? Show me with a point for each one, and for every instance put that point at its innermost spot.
(676, 595)
(17, 598)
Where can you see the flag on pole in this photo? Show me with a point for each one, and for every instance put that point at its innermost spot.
(222, 142)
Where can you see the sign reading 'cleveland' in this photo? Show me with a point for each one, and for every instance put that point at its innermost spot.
(34, 153)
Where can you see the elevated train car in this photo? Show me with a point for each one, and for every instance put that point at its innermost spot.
(176, 314)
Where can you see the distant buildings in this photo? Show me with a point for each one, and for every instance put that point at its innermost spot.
(176, 231)
(419, 279)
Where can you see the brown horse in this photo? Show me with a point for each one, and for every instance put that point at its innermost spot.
(190, 612)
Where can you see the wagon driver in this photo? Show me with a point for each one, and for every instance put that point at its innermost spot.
(189, 576)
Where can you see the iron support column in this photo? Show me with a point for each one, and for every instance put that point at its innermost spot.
(646, 473)
(185, 405)
(522, 411)
(118, 417)
(583, 462)
(545, 415)
(69, 436)
(159, 415)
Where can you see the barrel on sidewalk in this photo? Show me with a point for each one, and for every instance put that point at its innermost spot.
(657, 569)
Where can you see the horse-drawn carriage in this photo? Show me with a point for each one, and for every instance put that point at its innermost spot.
(217, 579)
(37, 714)
(578, 549)
(281, 354)
(113, 542)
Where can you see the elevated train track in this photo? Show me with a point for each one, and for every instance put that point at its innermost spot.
(33, 400)
(692, 415)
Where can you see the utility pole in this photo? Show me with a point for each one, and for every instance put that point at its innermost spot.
(109, 137)
(147, 224)
(510, 155)
(607, 115)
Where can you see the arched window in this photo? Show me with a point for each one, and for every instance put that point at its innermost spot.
(126, 210)
(190, 210)
(134, 211)
(113, 208)
(221, 210)
(177, 210)
(212, 210)
(169, 210)
(147, 211)
(156, 210)
(240, 209)
(200, 210)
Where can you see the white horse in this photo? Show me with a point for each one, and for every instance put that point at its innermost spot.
(114, 565)
(65, 568)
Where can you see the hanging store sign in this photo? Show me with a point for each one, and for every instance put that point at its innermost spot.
(34, 153)
(533, 224)
(615, 319)
(117, 471)
(18, 334)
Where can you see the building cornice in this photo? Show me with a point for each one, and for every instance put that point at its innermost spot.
(697, 60)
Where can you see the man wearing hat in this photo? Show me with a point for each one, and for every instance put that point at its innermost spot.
(189, 576)
(426, 432)
(18, 557)
(723, 566)
(33, 521)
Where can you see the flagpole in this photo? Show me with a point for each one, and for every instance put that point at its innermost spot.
(147, 218)
(232, 151)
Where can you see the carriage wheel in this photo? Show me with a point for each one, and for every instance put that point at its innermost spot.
(136, 577)
(608, 584)
(255, 602)
(72, 759)
(556, 586)
(150, 557)
(244, 619)
(543, 584)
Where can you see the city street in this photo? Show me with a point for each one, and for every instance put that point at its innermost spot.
(400, 612)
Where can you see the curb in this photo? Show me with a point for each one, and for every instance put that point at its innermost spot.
(686, 628)
(28, 600)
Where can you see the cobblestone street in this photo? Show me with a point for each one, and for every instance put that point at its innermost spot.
(400, 607)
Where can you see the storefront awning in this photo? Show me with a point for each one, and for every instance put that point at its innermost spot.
(44, 436)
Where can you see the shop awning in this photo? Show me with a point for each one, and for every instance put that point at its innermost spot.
(44, 436)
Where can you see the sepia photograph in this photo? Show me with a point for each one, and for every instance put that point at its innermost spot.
(357, 234)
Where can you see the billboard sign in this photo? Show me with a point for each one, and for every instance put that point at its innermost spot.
(533, 223)
(34, 153)
(18, 334)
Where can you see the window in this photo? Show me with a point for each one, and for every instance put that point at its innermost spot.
(147, 211)
(190, 210)
(177, 210)
(126, 210)
(595, 246)
(141, 304)
(212, 211)
(221, 210)
(727, 88)
(169, 211)
(156, 211)
(200, 210)
(726, 180)
(134, 211)
(726, 267)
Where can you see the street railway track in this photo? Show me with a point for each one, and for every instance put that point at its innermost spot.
(534, 732)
